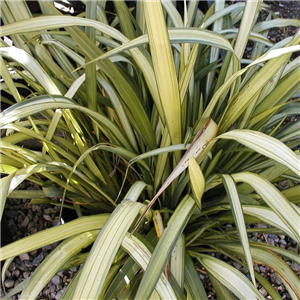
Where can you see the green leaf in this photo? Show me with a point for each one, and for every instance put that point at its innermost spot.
(192, 281)
(139, 252)
(52, 235)
(105, 248)
(30, 64)
(230, 277)
(274, 199)
(265, 145)
(267, 257)
(177, 261)
(270, 217)
(237, 213)
(197, 180)
(164, 68)
(165, 247)
(54, 261)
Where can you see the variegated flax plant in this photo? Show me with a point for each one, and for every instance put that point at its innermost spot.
(148, 103)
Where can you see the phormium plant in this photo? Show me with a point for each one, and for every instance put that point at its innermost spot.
(116, 101)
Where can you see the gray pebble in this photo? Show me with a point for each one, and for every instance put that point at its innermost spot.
(25, 222)
(22, 266)
(236, 265)
(74, 269)
(28, 263)
(50, 210)
(59, 294)
(295, 267)
(9, 283)
(24, 256)
(282, 241)
(55, 280)
(263, 226)
(38, 259)
(52, 288)
(7, 273)
(263, 292)
(47, 248)
(47, 217)
(262, 269)
(26, 274)
(12, 266)
(30, 225)
(276, 279)
(271, 242)
(36, 219)
(272, 236)
(16, 273)
(256, 268)
(55, 222)
(33, 253)
(282, 236)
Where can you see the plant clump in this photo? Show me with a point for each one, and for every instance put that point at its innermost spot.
(144, 109)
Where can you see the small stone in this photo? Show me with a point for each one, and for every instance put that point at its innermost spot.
(47, 248)
(272, 236)
(47, 217)
(28, 263)
(202, 277)
(282, 236)
(52, 288)
(295, 267)
(236, 265)
(33, 253)
(263, 226)
(256, 268)
(25, 222)
(55, 223)
(282, 242)
(74, 269)
(263, 292)
(12, 266)
(271, 242)
(22, 266)
(24, 256)
(36, 219)
(59, 294)
(38, 259)
(276, 279)
(55, 280)
(8, 273)
(30, 225)
(262, 269)
(9, 283)
(26, 274)
(16, 273)
(50, 210)
(60, 274)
